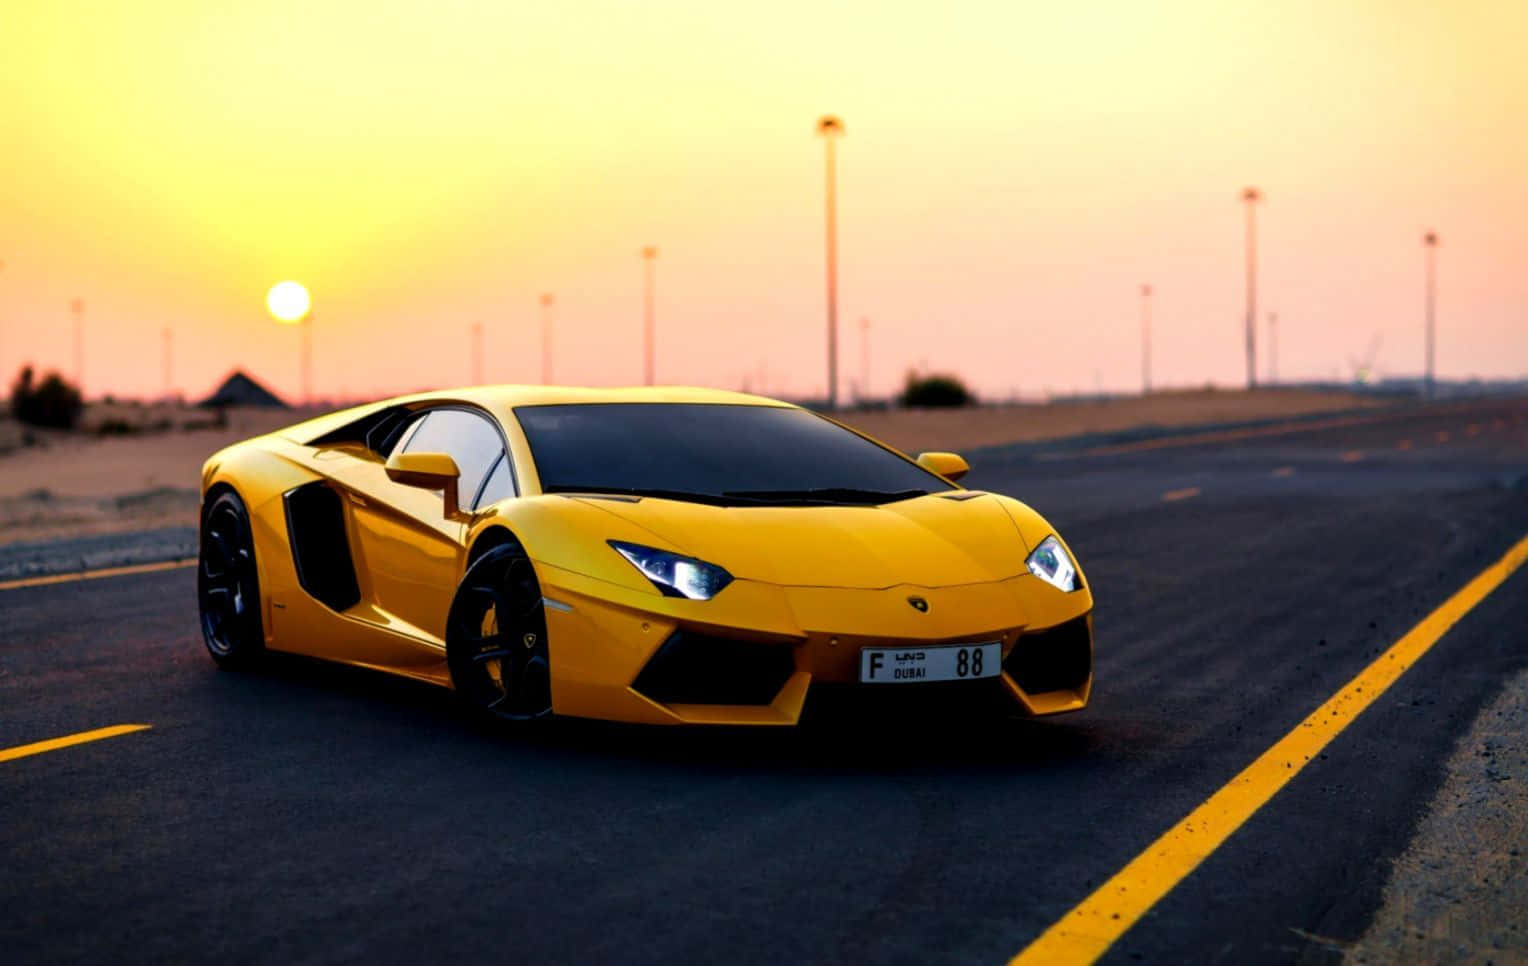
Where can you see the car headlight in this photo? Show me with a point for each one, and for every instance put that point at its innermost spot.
(675, 574)
(1052, 564)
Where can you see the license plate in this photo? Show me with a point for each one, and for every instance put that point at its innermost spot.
(946, 662)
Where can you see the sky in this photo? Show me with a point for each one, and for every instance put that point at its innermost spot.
(1010, 174)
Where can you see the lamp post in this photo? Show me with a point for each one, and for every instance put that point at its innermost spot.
(649, 269)
(832, 128)
(288, 303)
(1146, 340)
(864, 359)
(548, 301)
(77, 310)
(1273, 348)
(1430, 253)
(167, 337)
(1251, 196)
(476, 350)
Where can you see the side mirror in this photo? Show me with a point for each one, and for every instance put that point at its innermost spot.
(428, 471)
(951, 466)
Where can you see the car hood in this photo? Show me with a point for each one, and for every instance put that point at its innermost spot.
(930, 541)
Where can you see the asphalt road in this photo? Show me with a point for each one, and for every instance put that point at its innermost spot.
(306, 813)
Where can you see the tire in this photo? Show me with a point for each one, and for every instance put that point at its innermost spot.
(496, 646)
(228, 583)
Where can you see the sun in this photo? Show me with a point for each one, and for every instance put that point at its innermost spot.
(288, 302)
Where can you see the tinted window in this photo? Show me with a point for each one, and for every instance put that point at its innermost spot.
(498, 486)
(725, 453)
(468, 438)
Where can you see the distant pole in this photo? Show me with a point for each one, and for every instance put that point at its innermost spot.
(1430, 253)
(77, 309)
(476, 350)
(1251, 196)
(307, 359)
(649, 260)
(1145, 340)
(1273, 348)
(547, 302)
(864, 358)
(168, 338)
(831, 128)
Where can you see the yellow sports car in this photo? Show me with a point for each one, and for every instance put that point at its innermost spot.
(646, 555)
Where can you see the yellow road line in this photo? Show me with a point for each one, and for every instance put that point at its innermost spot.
(1173, 496)
(1403, 444)
(147, 568)
(53, 744)
(1353, 456)
(1284, 471)
(1090, 928)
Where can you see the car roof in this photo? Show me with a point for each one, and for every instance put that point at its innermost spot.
(500, 400)
(510, 396)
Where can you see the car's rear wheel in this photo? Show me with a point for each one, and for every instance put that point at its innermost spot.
(227, 584)
(496, 643)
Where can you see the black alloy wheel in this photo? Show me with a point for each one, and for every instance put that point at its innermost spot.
(496, 643)
(227, 583)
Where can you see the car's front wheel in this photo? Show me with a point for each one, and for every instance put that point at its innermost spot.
(227, 583)
(496, 643)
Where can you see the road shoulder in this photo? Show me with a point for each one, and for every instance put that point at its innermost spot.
(1459, 891)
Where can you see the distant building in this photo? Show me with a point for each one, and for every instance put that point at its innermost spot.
(240, 389)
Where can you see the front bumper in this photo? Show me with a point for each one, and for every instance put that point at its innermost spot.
(603, 637)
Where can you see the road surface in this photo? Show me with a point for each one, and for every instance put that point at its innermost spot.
(308, 813)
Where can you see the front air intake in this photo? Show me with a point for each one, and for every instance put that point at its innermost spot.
(692, 668)
(1058, 659)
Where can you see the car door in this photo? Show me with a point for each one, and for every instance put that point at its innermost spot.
(411, 552)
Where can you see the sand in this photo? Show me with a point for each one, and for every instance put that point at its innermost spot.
(69, 485)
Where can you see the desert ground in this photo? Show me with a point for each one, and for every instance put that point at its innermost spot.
(135, 467)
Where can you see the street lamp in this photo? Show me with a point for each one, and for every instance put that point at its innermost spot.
(1251, 196)
(1430, 252)
(477, 353)
(832, 128)
(547, 302)
(1145, 340)
(288, 303)
(864, 392)
(649, 260)
(1273, 348)
(77, 309)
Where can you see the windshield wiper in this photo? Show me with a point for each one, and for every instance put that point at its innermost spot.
(827, 494)
(713, 499)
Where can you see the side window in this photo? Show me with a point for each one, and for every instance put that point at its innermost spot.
(468, 438)
(498, 486)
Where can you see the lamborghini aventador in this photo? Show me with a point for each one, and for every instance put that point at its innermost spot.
(645, 555)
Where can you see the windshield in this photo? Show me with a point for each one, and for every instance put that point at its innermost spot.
(714, 453)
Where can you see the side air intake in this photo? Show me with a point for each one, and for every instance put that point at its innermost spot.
(316, 527)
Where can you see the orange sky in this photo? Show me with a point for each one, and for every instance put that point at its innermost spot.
(1011, 173)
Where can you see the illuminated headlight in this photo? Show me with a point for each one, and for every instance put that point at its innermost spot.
(1052, 564)
(673, 574)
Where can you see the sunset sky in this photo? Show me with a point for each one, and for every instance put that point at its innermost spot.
(1010, 175)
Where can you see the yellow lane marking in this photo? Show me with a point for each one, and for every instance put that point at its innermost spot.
(147, 568)
(1089, 929)
(1403, 444)
(53, 744)
(1353, 456)
(1284, 471)
(1173, 496)
(1441, 436)
(1473, 429)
